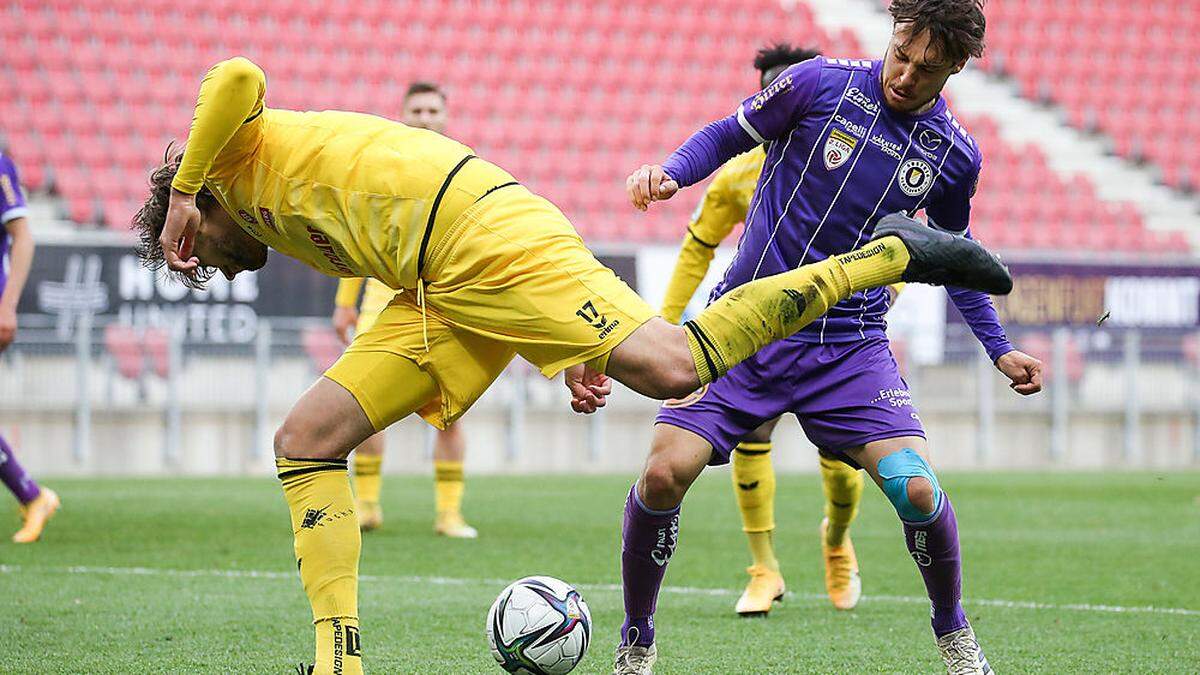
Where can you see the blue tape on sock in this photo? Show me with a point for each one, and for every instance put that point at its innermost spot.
(896, 469)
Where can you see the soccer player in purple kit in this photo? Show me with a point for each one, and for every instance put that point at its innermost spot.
(38, 504)
(847, 141)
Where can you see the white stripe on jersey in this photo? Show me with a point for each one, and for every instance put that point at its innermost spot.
(887, 188)
(803, 173)
(747, 127)
(832, 203)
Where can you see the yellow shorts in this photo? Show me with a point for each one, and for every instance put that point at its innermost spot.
(511, 277)
(375, 297)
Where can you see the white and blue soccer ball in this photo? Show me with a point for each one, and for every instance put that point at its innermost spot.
(539, 626)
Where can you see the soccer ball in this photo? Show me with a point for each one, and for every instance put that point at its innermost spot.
(539, 626)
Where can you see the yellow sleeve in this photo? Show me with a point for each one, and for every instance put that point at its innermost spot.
(690, 268)
(231, 98)
(347, 292)
(713, 220)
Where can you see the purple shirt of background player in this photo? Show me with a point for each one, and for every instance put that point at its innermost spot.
(12, 206)
(839, 159)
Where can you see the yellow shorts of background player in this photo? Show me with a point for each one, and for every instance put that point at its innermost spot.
(510, 277)
(376, 296)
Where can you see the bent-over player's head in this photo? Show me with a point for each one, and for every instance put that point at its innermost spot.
(931, 40)
(221, 245)
(425, 107)
(774, 59)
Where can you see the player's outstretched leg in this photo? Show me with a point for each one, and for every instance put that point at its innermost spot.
(368, 482)
(931, 532)
(38, 504)
(310, 454)
(843, 486)
(648, 538)
(754, 488)
(760, 312)
(448, 484)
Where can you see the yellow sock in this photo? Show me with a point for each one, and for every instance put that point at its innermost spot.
(327, 543)
(754, 486)
(843, 490)
(368, 482)
(448, 487)
(756, 314)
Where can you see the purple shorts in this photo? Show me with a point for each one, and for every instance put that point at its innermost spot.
(844, 394)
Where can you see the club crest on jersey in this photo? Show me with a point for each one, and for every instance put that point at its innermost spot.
(915, 177)
(838, 148)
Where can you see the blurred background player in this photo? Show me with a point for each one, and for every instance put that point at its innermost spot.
(425, 107)
(724, 205)
(847, 140)
(38, 504)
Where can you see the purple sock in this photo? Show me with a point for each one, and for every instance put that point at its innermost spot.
(19, 483)
(647, 542)
(934, 547)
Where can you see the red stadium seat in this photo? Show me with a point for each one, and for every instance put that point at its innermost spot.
(125, 348)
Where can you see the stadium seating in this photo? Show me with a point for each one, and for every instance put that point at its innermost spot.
(1126, 69)
(568, 96)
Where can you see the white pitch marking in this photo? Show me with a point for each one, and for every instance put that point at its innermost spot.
(616, 588)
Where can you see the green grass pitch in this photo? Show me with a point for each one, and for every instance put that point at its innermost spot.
(197, 576)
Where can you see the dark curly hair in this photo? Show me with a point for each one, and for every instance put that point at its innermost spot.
(956, 27)
(781, 54)
(149, 221)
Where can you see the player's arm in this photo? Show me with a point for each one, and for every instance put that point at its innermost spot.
(12, 219)
(763, 117)
(952, 213)
(230, 99)
(345, 306)
(714, 219)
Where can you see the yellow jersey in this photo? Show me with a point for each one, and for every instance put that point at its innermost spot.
(349, 194)
(724, 205)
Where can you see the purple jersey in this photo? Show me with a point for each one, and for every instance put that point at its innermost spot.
(838, 160)
(12, 206)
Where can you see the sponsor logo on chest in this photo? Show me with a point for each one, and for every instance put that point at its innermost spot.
(864, 102)
(889, 148)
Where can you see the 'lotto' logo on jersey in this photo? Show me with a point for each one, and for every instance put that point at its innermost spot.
(782, 84)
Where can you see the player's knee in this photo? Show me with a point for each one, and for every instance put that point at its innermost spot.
(910, 485)
(675, 374)
(921, 494)
(297, 440)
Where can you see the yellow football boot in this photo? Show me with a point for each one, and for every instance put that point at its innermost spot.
(451, 524)
(765, 588)
(35, 514)
(370, 515)
(842, 582)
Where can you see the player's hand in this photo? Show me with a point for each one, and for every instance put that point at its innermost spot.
(649, 184)
(344, 321)
(1024, 371)
(589, 389)
(179, 232)
(8, 326)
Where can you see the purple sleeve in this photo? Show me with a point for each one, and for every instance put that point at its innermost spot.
(765, 116)
(952, 213)
(12, 200)
(707, 150)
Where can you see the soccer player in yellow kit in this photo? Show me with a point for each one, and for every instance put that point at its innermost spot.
(484, 270)
(724, 205)
(424, 107)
